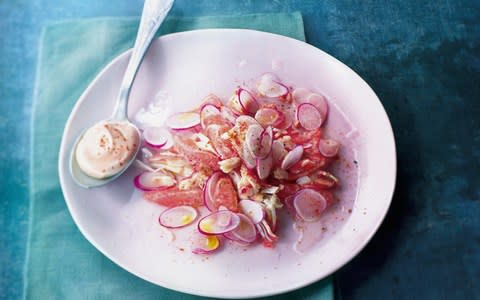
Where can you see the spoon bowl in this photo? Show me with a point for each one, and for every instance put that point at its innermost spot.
(153, 14)
(86, 181)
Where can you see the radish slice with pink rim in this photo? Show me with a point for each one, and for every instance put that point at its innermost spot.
(218, 222)
(156, 137)
(185, 120)
(278, 151)
(245, 232)
(259, 140)
(245, 120)
(309, 116)
(309, 204)
(248, 158)
(228, 114)
(269, 116)
(178, 216)
(300, 94)
(149, 181)
(205, 244)
(247, 101)
(253, 210)
(252, 138)
(269, 86)
(320, 103)
(292, 157)
(264, 166)
(266, 140)
(207, 111)
(208, 190)
(328, 147)
(288, 113)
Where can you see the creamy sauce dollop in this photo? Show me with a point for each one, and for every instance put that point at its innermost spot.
(106, 147)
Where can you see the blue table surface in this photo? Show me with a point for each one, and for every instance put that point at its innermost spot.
(423, 60)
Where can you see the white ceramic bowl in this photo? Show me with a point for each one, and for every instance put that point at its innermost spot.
(189, 65)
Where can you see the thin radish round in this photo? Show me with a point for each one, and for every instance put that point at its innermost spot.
(247, 101)
(309, 204)
(309, 116)
(264, 166)
(304, 180)
(245, 232)
(324, 180)
(228, 114)
(156, 137)
(252, 138)
(218, 222)
(300, 94)
(209, 190)
(288, 113)
(149, 181)
(269, 86)
(259, 140)
(252, 209)
(328, 147)
(320, 103)
(185, 120)
(245, 121)
(269, 116)
(248, 158)
(292, 157)
(278, 151)
(266, 140)
(205, 244)
(207, 111)
(178, 216)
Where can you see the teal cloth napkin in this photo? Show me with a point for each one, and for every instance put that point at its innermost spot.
(60, 263)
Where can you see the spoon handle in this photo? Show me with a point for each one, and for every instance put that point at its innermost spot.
(154, 12)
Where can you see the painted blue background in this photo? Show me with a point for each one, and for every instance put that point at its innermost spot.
(423, 60)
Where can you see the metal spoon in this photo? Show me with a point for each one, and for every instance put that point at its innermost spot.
(154, 12)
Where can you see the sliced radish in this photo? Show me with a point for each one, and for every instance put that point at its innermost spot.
(252, 138)
(292, 157)
(324, 180)
(156, 137)
(247, 157)
(328, 147)
(209, 189)
(278, 151)
(264, 166)
(309, 116)
(245, 121)
(320, 103)
(228, 114)
(185, 120)
(205, 244)
(247, 101)
(259, 140)
(149, 181)
(207, 111)
(269, 86)
(219, 222)
(304, 180)
(178, 216)
(266, 140)
(245, 232)
(269, 116)
(309, 204)
(252, 209)
(300, 94)
(211, 99)
(288, 113)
